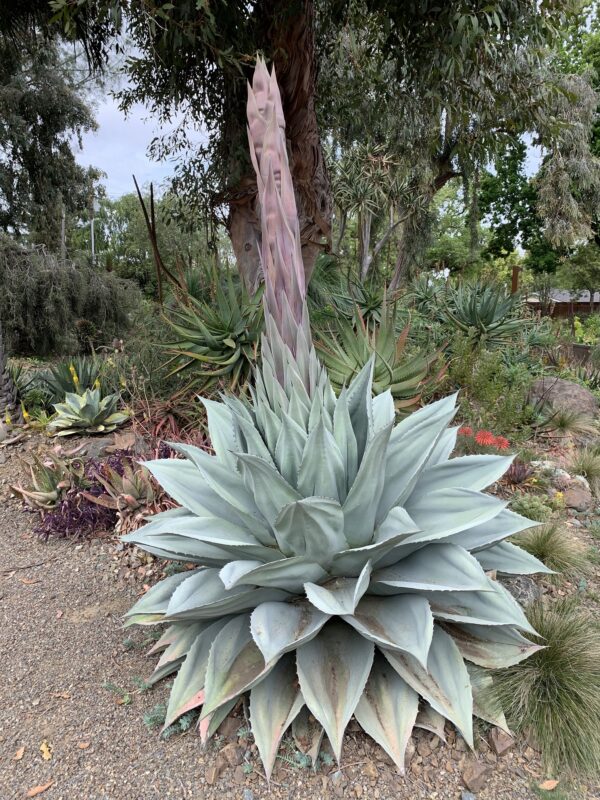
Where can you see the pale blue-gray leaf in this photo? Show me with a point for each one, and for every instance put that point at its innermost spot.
(313, 527)
(508, 559)
(341, 595)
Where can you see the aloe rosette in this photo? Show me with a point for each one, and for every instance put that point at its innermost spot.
(343, 562)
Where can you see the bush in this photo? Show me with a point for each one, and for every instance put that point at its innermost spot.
(555, 693)
(47, 306)
(556, 548)
(529, 505)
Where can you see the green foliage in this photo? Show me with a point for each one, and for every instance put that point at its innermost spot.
(73, 375)
(553, 544)
(586, 462)
(87, 413)
(532, 506)
(587, 331)
(485, 312)
(41, 300)
(581, 271)
(50, 481)
(218, 340)
(346, 347)
(555, 694)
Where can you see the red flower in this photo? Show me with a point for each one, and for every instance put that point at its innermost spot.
(501, 443)
(485, 438)
(465, 431)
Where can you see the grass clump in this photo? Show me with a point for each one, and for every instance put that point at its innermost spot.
(586, 462)
(555, 694)
(556, 548)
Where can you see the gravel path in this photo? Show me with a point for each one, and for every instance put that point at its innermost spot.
(62, 643)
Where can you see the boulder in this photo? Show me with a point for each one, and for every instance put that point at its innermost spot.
(578, 496)
(523, 588)
(564, 395)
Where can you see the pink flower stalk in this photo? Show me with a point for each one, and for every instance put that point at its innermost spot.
(281, 256)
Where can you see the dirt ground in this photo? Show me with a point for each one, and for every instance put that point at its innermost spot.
(72, 714)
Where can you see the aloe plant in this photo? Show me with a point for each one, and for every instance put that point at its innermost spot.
(342, 562)
(345, 347)
(10, 406)
(485, 312)
(87, 413)
(217, 342)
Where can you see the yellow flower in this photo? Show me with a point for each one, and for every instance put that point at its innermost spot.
(122, 381)
(74, 375)
(97, 383)
(8, 419)
(26, 415)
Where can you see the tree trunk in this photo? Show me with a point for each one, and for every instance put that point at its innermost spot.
(288, 32)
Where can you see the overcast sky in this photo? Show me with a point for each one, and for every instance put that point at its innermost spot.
(119, 148)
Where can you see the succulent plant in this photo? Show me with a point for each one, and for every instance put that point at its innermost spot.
(484, 311)
(340, 559)
(87, 413)
(50, 480)
(218, 342)
(10, 406)
(74, 375)
(345, 348)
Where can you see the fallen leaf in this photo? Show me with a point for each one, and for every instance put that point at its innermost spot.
(35, 790)
(59, 614)
(62, 695)
(19, 754)
(548, 785)
(83, 745)
(46, 750)
(28, 581)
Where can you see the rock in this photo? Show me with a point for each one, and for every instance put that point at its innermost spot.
(371, 771)
(229, 727)
(578, 497)
(423, 748)
(525, 590)
(233, 754)
(500, 741)
(239, 776)
(476, 775)
(248, 794)
(467, 796)
(563, 394)
(214, 773)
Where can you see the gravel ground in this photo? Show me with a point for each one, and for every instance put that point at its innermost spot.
(61, 645)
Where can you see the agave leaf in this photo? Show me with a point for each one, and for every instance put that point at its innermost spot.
(435, 567)
(188, 688)
(274, 704)
(333, 669)
(289, 449)
(443, 447)
(179, 639)
(313, 527)
(343, 433)
(505, 524)
(361, 504)
(383, 410)
(476, 472)
(508, 559)
(270, 490)
(410, 445)
(289, 574)
(308, 735)
(444, 684)
(155, 601)
(484, 705)
(322, 468)
(222, 431)
(399, 623)
(387, 710)
(210, 724)
(492, 647)
(430, 720)
(235, 664)
(496, 606)
(360, 407)
(448, 511)
(279, 627)
(341, 595)
(203, 596)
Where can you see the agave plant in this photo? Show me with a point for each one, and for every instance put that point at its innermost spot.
(87, 413)
(217, 342)
(483, 311)
(346, 347)
(72, 376)
(50, 480)
(341, 560)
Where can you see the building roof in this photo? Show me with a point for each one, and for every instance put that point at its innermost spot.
(564, 296)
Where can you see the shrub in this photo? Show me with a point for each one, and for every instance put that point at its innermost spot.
(555, 694)
(532, 506)
(556, 548)
(41, 300)
(586, 462)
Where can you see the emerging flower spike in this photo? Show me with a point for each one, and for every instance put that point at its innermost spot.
(501, 443)
(465, 430)
(341, 560)
(485, 438)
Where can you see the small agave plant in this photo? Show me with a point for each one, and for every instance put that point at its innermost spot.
(343, 563)
(87, 413)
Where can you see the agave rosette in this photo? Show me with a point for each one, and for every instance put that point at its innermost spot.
(87, 413)
(343, 562)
